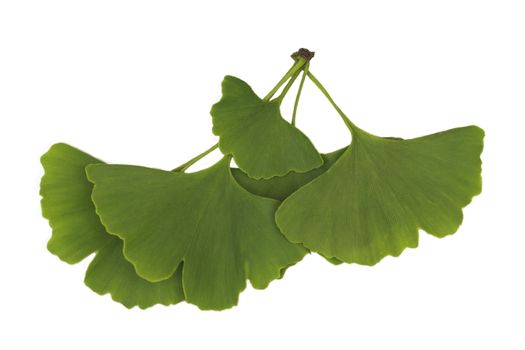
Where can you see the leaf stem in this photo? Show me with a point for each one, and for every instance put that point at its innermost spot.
(299, 63)
(182, 168)
(296, 103)
(347, 121)
(287, 87)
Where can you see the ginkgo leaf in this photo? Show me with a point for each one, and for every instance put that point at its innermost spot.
(280, 187)
(66, 203)
(376, 196)
(78, 232)
(222, 233)
(110, 272)
(262, 143)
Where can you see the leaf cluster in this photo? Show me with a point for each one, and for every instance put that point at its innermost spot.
(162, 237)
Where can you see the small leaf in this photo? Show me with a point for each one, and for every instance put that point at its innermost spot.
(110, 272)
(377, 195)
(222, 233)
(78, 232)
(262, 143)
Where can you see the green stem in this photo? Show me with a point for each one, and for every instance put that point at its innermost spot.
(299, 63)
(287, 87)
(296, 103)
(182, 168)
(347, 121)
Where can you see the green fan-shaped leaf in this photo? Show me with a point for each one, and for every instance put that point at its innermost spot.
(280, 187)
(262, 143)
(66, 203)
(376, 196)
(222, 233)
(78, 232)
(110, 272)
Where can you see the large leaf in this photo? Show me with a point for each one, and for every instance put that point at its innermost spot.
(222, 233)
(262, 143)
(377, 195)
(78, 232)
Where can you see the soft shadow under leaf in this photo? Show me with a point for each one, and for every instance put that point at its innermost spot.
(280, 187)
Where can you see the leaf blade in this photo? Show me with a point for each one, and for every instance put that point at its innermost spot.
(110, 273)
(76, 229)
(66, 203)
(262, 143)
(372, 201)
(204, 219)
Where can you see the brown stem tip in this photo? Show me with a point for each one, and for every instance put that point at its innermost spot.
(304, 53)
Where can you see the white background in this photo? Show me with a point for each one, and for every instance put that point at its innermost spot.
(133, 82)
